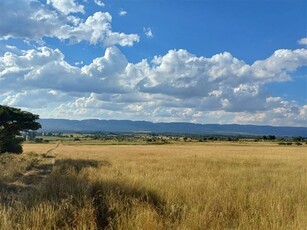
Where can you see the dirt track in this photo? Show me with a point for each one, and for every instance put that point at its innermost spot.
(41, 168)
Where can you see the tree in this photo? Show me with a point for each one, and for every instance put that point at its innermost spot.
(12, 122)
(271, 137)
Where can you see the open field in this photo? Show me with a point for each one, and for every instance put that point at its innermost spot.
(173, 186)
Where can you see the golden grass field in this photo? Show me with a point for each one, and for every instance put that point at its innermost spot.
(250, 185)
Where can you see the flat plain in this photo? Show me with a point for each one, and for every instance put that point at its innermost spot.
(210, 185)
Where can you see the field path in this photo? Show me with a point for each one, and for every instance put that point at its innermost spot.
(50, 151)
(39, 170)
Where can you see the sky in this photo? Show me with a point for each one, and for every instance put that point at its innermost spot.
(200, 61)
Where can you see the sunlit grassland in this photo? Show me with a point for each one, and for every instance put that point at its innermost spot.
(173, 186)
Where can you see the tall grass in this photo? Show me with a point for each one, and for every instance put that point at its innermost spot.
(167, 187)
(12, 165)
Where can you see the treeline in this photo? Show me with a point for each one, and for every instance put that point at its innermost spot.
(160, 138)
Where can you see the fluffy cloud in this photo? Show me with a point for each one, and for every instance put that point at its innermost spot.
(286, 113)
(66, 6)
(99, 3)
(97, 30)
(302, 41)
(148, 33)
(176, 86)
(45, 68)
(35, 98)
(32, 20)
(27, 20)
(222, 80)
(276, 67)
(122, 13)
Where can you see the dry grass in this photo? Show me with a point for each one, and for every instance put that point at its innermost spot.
(189, 186)
(12, 166)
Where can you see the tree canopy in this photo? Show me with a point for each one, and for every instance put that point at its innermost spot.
(12, 122)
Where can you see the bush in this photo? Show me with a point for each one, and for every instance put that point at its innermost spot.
(38, 140)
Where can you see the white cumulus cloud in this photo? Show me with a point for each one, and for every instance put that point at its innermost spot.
(177, 86)
(66, 6)
(97, 30)
(148, 32)
(302, 41)
(99, 2)
(33, 21)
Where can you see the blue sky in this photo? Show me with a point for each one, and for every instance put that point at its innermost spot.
(204, 61)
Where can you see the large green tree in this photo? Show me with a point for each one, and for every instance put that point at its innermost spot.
(12, 122)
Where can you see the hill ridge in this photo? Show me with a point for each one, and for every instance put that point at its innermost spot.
(122, 126)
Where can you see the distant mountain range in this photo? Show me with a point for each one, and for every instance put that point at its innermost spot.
(124, 126)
